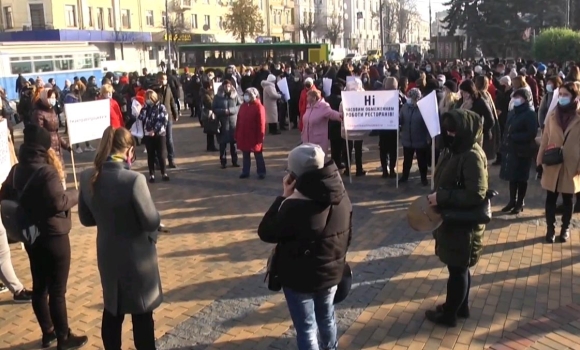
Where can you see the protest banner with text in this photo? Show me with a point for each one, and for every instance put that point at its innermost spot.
(86, 121)
(370, 110)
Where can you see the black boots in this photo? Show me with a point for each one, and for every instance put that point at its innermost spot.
(71, 341)
(517, 194)
(273, 129)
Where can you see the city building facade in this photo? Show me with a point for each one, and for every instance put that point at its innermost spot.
(361, 25)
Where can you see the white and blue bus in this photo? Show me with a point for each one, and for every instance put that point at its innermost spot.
(58, 60)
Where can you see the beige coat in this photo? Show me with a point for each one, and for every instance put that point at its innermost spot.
(271, 97)
(565, 176)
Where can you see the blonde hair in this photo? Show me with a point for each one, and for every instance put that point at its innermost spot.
(390, 83)
(520, 80)
(315, 94)
(106, 89)
(151, 95)
(113, 141)
(54, 160)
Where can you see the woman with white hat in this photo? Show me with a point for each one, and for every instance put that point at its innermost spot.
(271, 97)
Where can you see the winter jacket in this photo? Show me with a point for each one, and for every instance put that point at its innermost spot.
(46, 201)
(561, 178)
(225, 108)
(312, 230)
(531, 81)
(315, 125)
(414, 132)
(460, 244)
(251, 127)
(518, 146)
(270, 98)
(543, 109)
(303, 104)
(117, 120)
(154, 119)
(45, 116)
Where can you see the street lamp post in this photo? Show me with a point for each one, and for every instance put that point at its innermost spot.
(168, 35)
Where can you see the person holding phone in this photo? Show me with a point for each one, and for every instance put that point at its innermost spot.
(313, 219)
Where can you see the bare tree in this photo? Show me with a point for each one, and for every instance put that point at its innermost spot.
(331, 29)
(307, 26)
(396, 17)
(176, 26)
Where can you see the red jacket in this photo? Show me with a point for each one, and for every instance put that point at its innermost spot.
(251, 127)
(303, 104)
(117, 120)
(492, 90)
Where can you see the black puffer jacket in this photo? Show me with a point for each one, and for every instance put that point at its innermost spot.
(312, 229)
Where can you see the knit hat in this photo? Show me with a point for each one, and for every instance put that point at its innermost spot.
(37, 135)
(271, 78)
(305, 158)
(505, 80)
(309, 80)
(513, 73)
(477, 69)
(451, 85)
(441, 77)
(523, 93)
(542, 68)
(253, 92)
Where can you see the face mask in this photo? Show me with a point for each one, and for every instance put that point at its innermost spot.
(210, 77)
(517, 102)
(246, 98)
(52, 101)
(164, 82)
(564, 101)
(248, 74)
(365, 80)
(549, 88)
(277, 67)
(296, 79)
(428, 69)
(409, 102)
(109, 95)
(115, 82)
(288, 71)
(440, 83)
(149, 102)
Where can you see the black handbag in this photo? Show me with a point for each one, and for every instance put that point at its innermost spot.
(554, 156)
(480, 214)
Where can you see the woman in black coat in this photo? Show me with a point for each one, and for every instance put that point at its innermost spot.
(502, 103)
(518, 149)
(472, 100)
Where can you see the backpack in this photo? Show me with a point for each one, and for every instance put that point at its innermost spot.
(17, 222)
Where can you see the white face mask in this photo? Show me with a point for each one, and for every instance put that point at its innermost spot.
(109, 95)
(149, 102)
(246, 98)
(52, 101)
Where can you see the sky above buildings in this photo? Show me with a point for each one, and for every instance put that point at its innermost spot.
(423, 7)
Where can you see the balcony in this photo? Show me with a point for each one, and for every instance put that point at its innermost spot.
(186, 4)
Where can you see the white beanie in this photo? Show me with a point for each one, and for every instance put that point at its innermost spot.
(478, 69)
(513, 73)
(441, 77)
(271, 78)
(309, 80)
(506, 80)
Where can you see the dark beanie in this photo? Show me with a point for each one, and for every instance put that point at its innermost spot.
(451, 85)
(523, 93)
(37, 135)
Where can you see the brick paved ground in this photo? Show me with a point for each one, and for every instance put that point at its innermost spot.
(524, 294)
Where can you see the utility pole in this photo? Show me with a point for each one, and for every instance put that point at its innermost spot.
(567, 13)
(382, 28)
(430, 27)
(168, 35)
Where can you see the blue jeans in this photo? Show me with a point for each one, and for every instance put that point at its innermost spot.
(247, 163)
(169, 141)
(311, 312)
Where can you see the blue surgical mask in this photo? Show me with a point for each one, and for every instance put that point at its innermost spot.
(246, 98)
(149, 102)
(550, 88)
(564, 101)
(517, 101)
(409, 102)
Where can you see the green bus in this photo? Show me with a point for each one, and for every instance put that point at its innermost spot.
(220, 55)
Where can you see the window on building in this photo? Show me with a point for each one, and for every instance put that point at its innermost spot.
(90, 21)
(149, 18)
(187, 3)
(151, 54)
(70, 15)
(8, 18)
(273, 15)
(163, 18)
(279, 17)
(37, 20)
(220, 22)
(291, 17)
(194, 21)
(100, 18)
(110, 17)
(287, 17)
(18, 65)
(126, 19)
(84, 61)
(207, 21)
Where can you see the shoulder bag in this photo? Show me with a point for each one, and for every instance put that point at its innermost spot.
(19, 226)
(554, 156)
(480, 214)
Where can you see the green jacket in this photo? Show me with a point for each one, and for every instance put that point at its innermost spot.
(460, 245)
